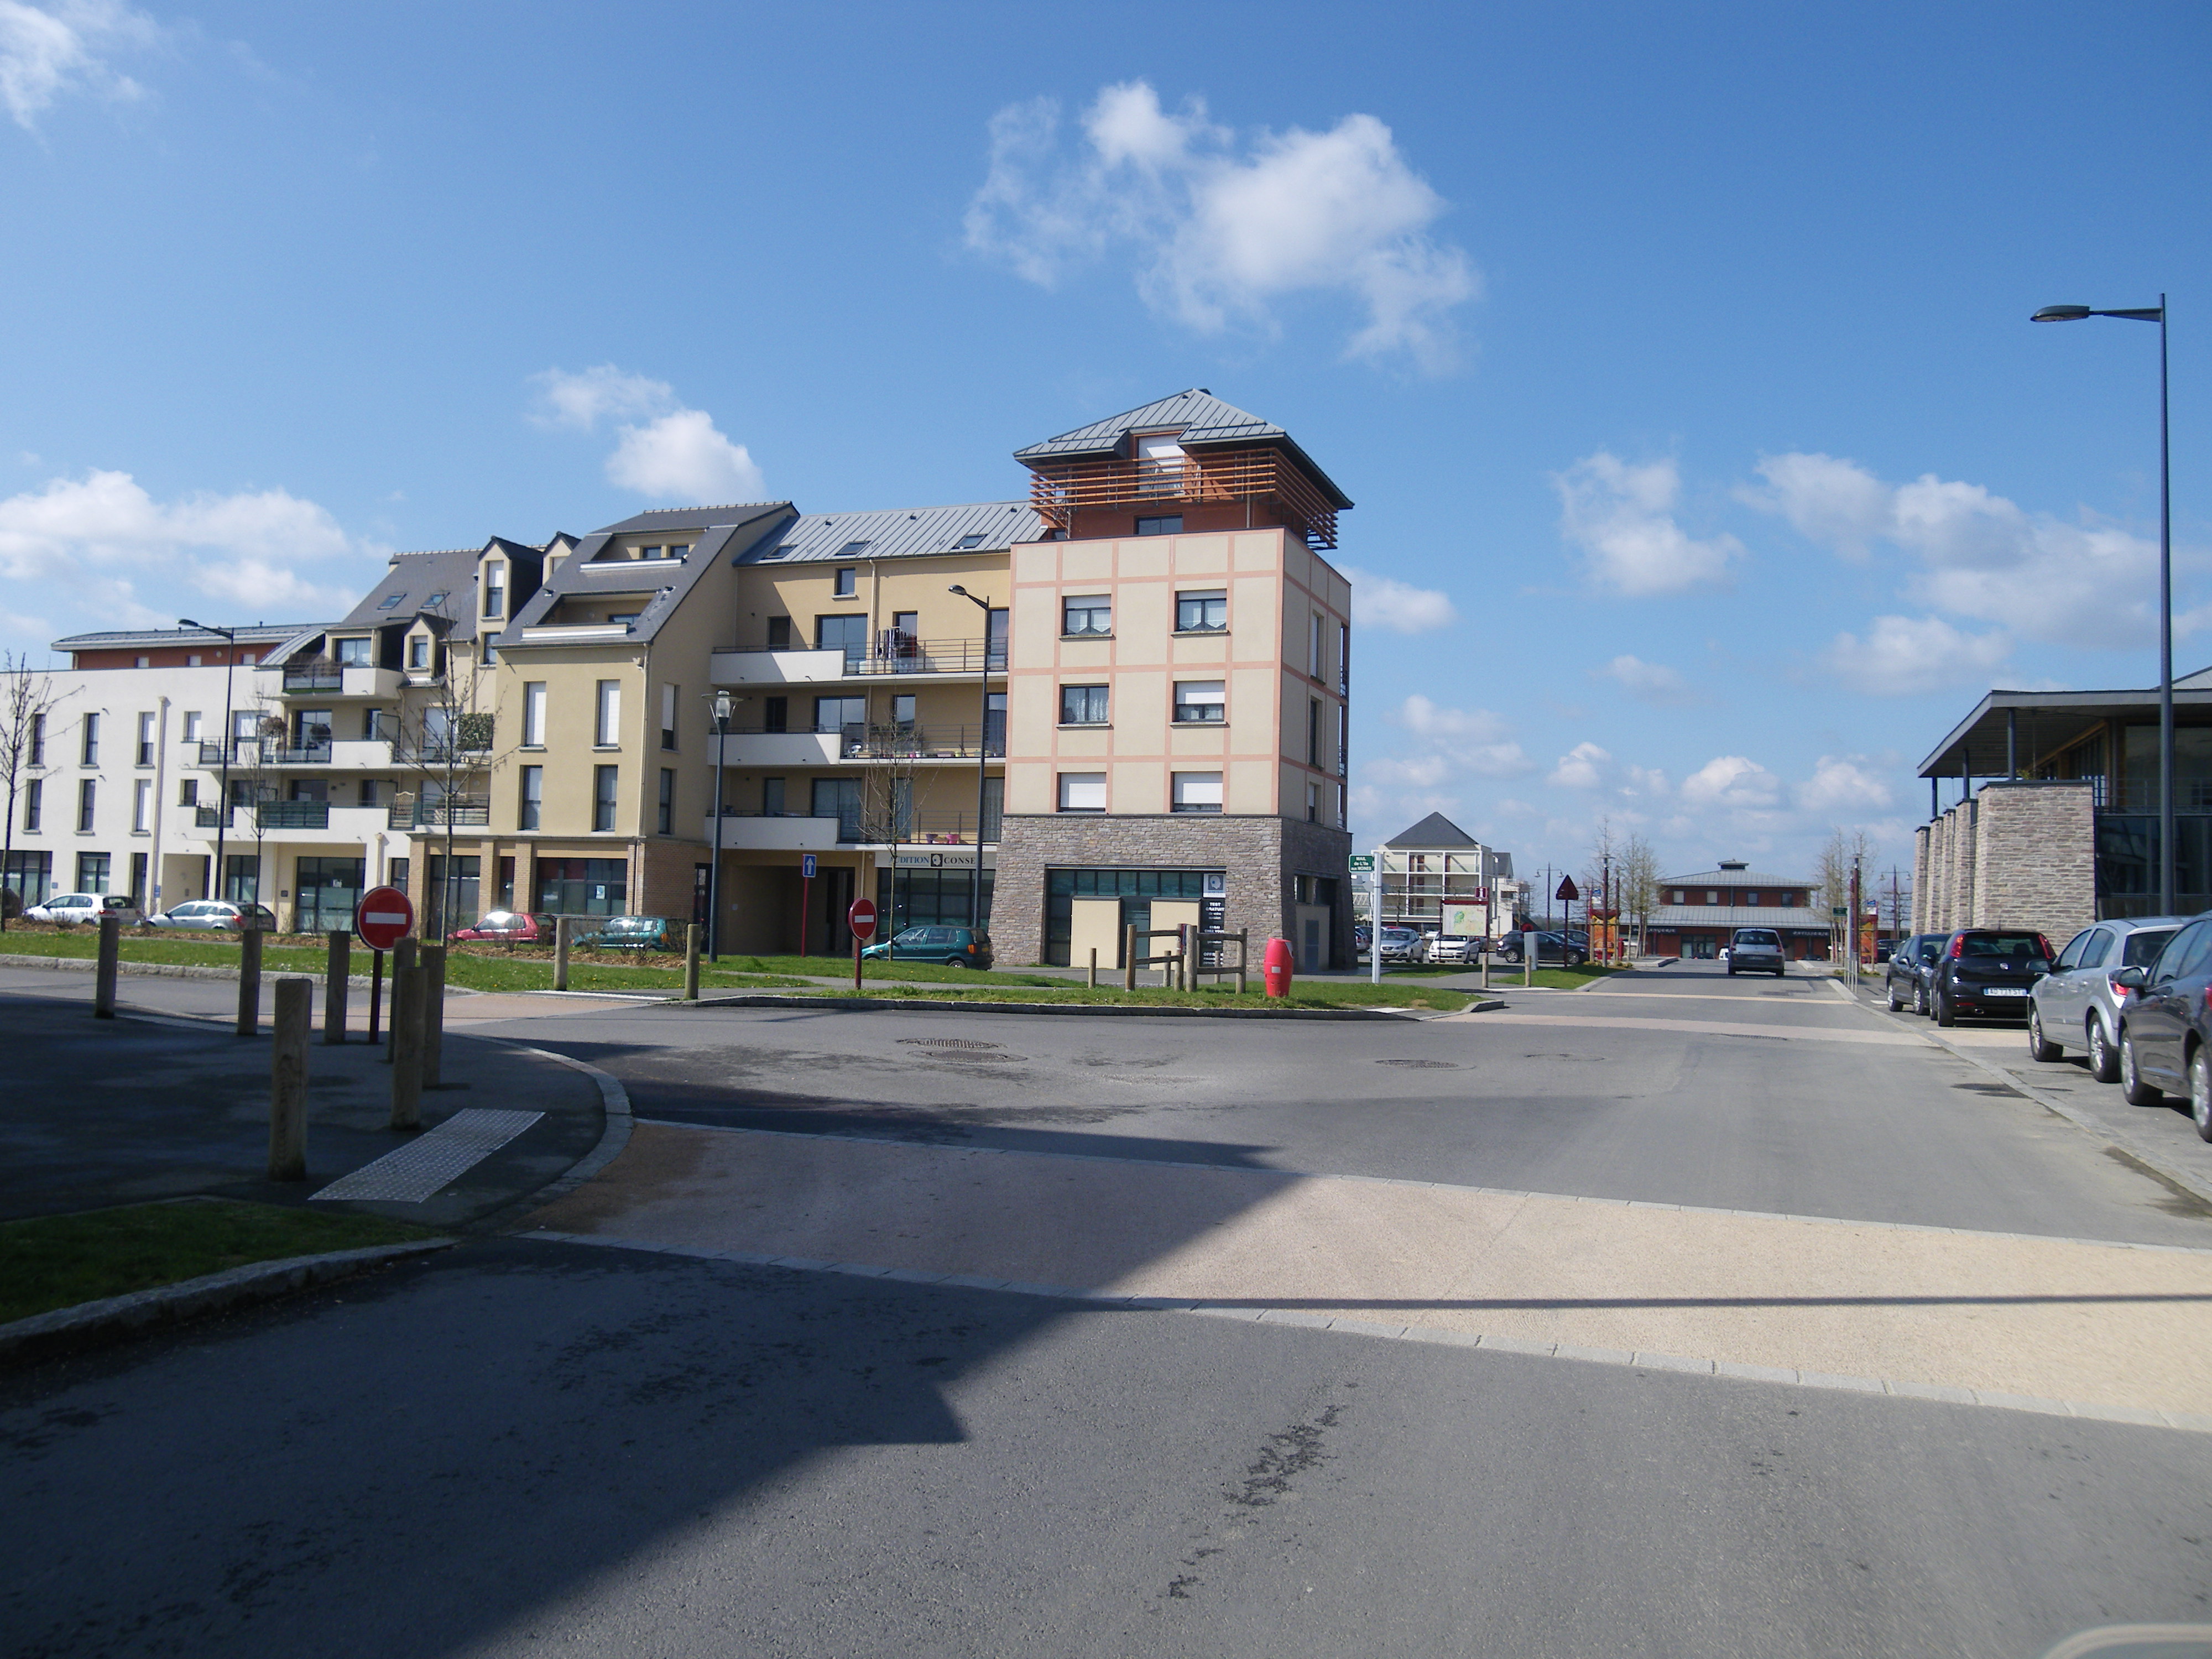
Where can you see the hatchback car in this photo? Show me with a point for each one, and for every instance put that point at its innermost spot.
(1399, 944)
(2166, 1024)
(1986, 972)
(1756, 950)
(1911, 969)
(1550, 947)
(1450, 947)
(633, 933)
(956, 947)
(85, 910)
(2078, 1003)
(214, 916)
(510, 928)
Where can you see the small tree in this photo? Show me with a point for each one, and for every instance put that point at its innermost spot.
(25, 699)
(445, 743)
(1636, 883)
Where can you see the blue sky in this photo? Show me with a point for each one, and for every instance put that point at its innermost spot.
(1707, 465)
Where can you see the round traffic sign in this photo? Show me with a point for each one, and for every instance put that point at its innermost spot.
(383, 917)
(861, 918)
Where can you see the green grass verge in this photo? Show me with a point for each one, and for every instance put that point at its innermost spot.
(58, 1261)
(1311, 994)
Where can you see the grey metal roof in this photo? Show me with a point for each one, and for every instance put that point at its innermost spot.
(1199, 420)
(1723, 915)
(254, 634)
(899, 532)
(1736, 878)
(411, 578)
(1434, 831)
(673, 584)
(689, 518)
(2035, 725)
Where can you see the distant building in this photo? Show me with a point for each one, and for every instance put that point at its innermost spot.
(1696, 913)
(1438, 878)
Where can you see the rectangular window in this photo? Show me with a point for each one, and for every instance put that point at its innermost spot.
(1205, 612)
(35, 803)
(191, 659)
(138, 879)
(1083, 705)
(191, 727)
(1313, 730)
(583, 887)
(849, 583)
(91, 751)
(606, 730)
(668, 716)
(533, 714)
(145, 739)
(907, 624)
(418, 653)
(87, 798)
(494, 590)
(604, 783)
(848, 634)
(1196, 792)
(839, 799)
(1169, 524)
(666, 823)
(1713, 896)
(1316, 661)
(38, 739)
(188, 792)
(772, 798)
(775, 714)
(371, 793)
(1200, 702)
(141, 806)
(532, 805)
(1086, 613)
(352, 653)
(1344, 656)
(902, 706)
(1082, 791)
(31, 874)
(241, 880)
(834, 714)
(1343, 739)
(92, 873)
(1313, 803)
(779, 633)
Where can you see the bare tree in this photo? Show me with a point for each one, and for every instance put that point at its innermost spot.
(1844, 848)
(25, 699)
(1636, 883)
(445, 742)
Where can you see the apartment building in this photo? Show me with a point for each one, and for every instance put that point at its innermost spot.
(1438, 878)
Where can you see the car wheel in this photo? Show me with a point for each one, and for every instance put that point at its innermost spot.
(1919, 998)
(2104, 1059)
(1896, 1002)
(2138, 1092)
(2039, 1047)
(2200, 1094)
(1945, 1014)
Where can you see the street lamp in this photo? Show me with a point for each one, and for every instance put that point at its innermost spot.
(2168, 900)
(223, 823)
(982, 756)
(714, 870)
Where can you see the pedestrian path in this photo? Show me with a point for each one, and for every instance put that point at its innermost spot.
(443, 1156)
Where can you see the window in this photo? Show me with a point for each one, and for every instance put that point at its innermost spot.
(1200, 702)
(191, 726)
(1205, 612)
(142, 662)
(145, 739)
(775, 714)
(246, 659)
(1313, 730)
(35, 803)
(847, 633)
(434, 601)
(371, 793)
(603, 782)
(88, 794)
(606, 731)
(902, 709)
(1083, 705)
(1752, 898)
(38, 739)
(1092, 614)
(91, 751)
(679, 549)
(779, 633)
(1169, 524)
(377, 724)
(188, 792)
(583, 887)
(494, 590)
(418, 652)
(835, 714)
(1344, 656)
(848, 579)
(31, 874)
(667, 823)
(532, 805)
(1678, 897)
(533, 714)
(648, 552)
(1713, 896)
(1082, 791)
(969, 541)
(391, 602)
(1313, 803)
(1316, 662)
(1195, 792)
(141, 806)
(668, 717)
(191, 659)
(772, 798)
(352, 653)
(92, 873)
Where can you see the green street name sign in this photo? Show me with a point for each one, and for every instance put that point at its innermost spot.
(1363, 864)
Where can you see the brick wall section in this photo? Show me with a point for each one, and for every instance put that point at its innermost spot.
(1261, 855)
(2035, 858)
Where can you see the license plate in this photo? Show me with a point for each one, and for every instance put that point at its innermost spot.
(2004, 991)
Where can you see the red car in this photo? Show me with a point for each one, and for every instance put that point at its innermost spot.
(510, 928)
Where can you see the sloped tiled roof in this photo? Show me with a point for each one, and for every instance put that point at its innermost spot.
(898, 532)
(1199, 420)
(689, 518)
(1434, 831)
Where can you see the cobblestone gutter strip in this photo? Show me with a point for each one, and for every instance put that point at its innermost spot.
(181, 970)
(1166, 1010)
(65, 1330)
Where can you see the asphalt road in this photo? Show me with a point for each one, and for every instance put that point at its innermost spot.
(523, 1445)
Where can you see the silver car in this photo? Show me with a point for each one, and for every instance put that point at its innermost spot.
(214, 916)
(1450, 947)
(1399, 944)
(2076, 1005)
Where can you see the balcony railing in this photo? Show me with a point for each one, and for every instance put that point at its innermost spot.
(207, 817)
(1060, 490)
(863, 827)
(262, 751)
(438, 814)
(893, 653)
(905, 740)
(293, 815)
(315, 677)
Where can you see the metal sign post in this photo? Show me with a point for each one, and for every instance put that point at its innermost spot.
(806, 899)
(860, 919)
(380, 920)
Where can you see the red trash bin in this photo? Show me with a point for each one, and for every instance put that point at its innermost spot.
(1276, 967)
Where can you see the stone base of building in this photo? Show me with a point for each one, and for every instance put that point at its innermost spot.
(1275, 877)
(2018, 854)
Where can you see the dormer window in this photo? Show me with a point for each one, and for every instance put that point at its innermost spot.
(434, 601)
(679, 549)
(352, 653)
(648, 552)
(494, 590)
(418, 652)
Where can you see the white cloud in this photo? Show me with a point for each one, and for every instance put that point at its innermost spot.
(1732, 780)
(1841, 784)
(48, 52)
(1223, 230)
(1650, 682)
(1585, 766)
(664, 450)
(1387, 603)
(1622, 517)
(1901, 657)
(1463, 743)
(1980, 555)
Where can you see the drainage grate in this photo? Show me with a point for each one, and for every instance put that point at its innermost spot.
(948, 1042)
(1423, 1065)
(442, 1155)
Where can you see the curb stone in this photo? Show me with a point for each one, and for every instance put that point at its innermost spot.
(614, 1100)
(186, 970)
(90, 1324)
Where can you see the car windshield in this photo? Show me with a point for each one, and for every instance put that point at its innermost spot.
(2143, 946)
(1757, 936)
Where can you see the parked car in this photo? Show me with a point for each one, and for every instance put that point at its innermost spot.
(216, 916)
(2165, 1024)
(1550, 947)
(634, 933)
(81, 909)
(1755, 951)
(1450, 947)
(1360, 935)
(2078, 1003)
(1911, 970)
(1399, 943)
(956, 947)
(511, 928)
(1986, 972)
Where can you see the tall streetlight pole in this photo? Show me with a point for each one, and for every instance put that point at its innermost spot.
(982, 756)
(223, 823)
(714, 870)
(2167, 898)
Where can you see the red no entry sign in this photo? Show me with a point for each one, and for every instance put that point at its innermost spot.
(383, 917)
(861, 918)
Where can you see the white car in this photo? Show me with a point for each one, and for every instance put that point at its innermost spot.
(85, 910)
(214, 916)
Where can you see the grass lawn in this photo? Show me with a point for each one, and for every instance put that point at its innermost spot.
(59, 1260)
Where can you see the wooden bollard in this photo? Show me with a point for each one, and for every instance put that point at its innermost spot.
(1129, 956)
(249, 982)
(407, 1047)
(561, 933)
(111, 953)
(334, 986)
(403, 955)
(434, 1014)
(691, 961)
(287, 1080)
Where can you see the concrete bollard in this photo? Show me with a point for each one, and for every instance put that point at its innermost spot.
(1094, 966)
(407, 1047)
(691, 961)
(287, 1080)
(403, 955)
(334, 986)
(111, 952)
(561, 933)
(249, 982)
(434, 1015)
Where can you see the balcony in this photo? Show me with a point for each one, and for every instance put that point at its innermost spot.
(293, 815)
(1060, 490)
(266, 752)
(891, 655)
(454, 811)
(875, 743)
(320, 678)
(778, 832)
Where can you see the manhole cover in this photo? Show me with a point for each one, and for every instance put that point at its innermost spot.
(1423, 1065)
(948, 1042)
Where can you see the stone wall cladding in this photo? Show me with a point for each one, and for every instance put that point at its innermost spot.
(2034, 858)
(1260, 854)
(1921, 838)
